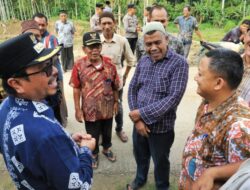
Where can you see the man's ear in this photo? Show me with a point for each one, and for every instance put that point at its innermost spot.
(16, 84)
(166, 37)
(220, 83)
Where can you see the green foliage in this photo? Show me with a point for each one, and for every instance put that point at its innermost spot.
(247, 17)
(201, 12)
(229, 25)
(206, 11)
(233, 13)
(174, 11)
(218, 19)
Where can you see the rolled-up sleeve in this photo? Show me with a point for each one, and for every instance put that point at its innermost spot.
(153, 112)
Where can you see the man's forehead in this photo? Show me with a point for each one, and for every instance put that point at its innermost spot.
(107, 19)
(157, 35)
(157, 12)
(204, 62)
(246, 25)
(40, 19)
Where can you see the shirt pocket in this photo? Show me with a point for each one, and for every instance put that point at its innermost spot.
(107, 87)
(116, 58)
(130, 22)
(161, 85)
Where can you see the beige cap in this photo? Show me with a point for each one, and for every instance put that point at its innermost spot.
(153, 26)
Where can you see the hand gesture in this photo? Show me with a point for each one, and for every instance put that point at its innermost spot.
(142, 128)
(90, 143)
(204, 182)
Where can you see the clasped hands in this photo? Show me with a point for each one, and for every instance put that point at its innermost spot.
(83, 139)
(140, 126)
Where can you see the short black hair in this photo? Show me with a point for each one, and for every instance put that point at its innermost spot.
(228, 64)
(148, 8)
(188, 7)
(107, 2)
(40, 15)
(131, 5)
(157, 7)
(106, 14)
(63, 11)
(7, 88)
(247, 22)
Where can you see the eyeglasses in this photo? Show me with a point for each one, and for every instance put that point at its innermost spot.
(48, 69)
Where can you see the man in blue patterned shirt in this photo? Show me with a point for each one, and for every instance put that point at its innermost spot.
(186, 25)
(37, 152)
(154, 93)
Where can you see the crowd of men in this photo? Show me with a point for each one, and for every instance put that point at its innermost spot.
(40, 154)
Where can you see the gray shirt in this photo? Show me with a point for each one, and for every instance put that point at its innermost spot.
(65, 32)
(240, 180)
(94, 24)
(107, 9)
(130, 25)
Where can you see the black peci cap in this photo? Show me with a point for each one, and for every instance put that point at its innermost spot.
(131, 5)
(99, 5)
(63, 11)
(90, 38)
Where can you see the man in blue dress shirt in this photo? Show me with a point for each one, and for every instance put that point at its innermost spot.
(38, 153)
(155, 91)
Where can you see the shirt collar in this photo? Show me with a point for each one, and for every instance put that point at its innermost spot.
(186, 18)
(166, 57)
(64, 22)
(223, 107)
(114, 39)
(46, 33)
(89, 64)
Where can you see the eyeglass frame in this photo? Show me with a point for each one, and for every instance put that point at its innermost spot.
(48, 69)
